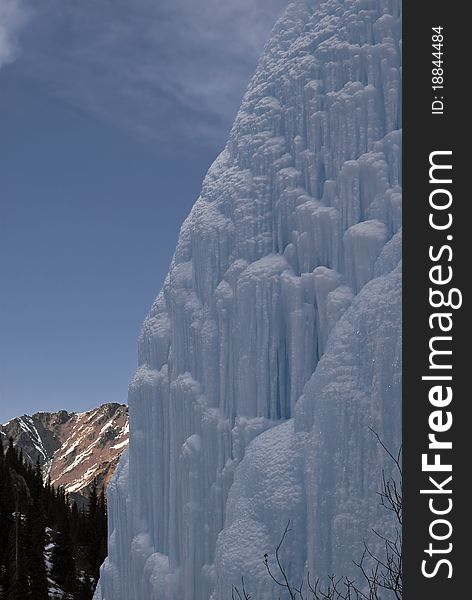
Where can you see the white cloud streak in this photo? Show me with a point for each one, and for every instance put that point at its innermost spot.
(13, 17)
(169, 70)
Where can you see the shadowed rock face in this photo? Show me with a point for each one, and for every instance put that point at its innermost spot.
(73, 448)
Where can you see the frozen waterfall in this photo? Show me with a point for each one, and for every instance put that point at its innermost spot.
(275, 342)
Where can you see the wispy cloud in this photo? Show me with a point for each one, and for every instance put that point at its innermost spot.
(13, 17)
(169, 70)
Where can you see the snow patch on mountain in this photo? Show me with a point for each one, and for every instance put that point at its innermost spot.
(73, 448)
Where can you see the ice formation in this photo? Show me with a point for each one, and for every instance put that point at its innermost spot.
(275, 342)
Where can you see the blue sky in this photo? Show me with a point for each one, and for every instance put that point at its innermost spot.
(110, 114)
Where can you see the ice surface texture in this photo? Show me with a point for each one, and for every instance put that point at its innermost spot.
(275, 342)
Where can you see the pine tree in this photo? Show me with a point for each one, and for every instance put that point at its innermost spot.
(63, 569)
(6, 522)
(37, 541)
(19, 586)
(28, 505)
(93, 500)
(102, 527)
(37, 487)
(93, 529)
(75, 523)
(11, 458)
(85, 588)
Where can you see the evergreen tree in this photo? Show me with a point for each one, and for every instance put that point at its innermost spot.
(19, 585)
(102, 527)
(85, 588)
(37, 487)
(93, 531)
(37, 541)
(28, 506)
(75, 523)
(93, 500)
(6, 522)
(63, 569)
(11, 458)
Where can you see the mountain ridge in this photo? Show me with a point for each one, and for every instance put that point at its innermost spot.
(73, 448)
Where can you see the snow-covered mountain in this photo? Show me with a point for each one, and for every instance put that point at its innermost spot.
(275, 345)
(73, 448)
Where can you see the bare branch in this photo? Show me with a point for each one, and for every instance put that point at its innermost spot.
(377, 573)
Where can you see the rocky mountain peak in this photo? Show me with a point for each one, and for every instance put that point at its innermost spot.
(73, 448)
